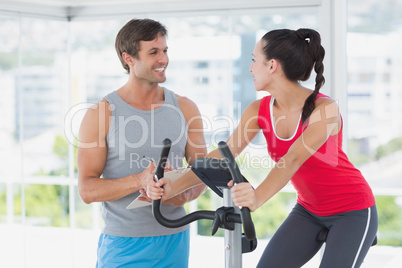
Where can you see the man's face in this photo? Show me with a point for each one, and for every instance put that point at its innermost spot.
(152, 60)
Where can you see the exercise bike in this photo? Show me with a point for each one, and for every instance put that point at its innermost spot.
(216, 173)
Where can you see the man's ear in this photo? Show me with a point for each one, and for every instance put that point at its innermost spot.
(128, 59)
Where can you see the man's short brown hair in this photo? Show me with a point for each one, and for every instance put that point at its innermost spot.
(136, 30)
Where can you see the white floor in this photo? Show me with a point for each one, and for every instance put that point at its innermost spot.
(209, 252)
(33, 247)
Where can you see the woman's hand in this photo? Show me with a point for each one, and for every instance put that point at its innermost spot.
(154, 190)
(151, 189)
(243, 195)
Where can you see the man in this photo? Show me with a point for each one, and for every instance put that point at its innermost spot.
(118, 136)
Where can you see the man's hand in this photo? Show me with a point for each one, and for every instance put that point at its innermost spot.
(148, 174)
(153, 190)
(155, 193)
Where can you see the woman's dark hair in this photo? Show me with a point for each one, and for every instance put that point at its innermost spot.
(136, 30)
(298, 52)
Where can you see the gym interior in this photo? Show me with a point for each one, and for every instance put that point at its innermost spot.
(57, 58)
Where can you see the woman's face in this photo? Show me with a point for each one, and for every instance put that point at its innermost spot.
(259, 68)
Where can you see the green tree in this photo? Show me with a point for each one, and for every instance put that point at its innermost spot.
(3, 200)
(390, 221)
(43, 205)
(47, 204)
(61, 149)
(389, 148)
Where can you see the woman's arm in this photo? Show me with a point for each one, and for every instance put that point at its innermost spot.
(195, 148)
(324, 121)
(244, 133)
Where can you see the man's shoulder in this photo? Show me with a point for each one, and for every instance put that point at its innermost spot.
(185, 101)
(100, 109)
(187, 106)
(103, 104)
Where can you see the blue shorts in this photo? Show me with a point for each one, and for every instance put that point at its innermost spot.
(144, 252)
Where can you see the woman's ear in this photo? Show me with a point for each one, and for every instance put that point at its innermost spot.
(272, 65)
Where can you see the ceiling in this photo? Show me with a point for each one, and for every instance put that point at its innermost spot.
(75, 9)
(77, 3)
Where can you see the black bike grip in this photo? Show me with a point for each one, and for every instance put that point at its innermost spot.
(234, 170)
(230, 161)
(248, 224)
(160, 166)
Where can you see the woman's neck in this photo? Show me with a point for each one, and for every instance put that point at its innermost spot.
(291, 97)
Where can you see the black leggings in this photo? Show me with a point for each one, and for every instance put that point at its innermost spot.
(295, 242)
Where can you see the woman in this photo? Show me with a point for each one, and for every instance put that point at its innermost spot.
(303, 129)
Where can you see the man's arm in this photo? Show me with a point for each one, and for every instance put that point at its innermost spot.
(91, 159)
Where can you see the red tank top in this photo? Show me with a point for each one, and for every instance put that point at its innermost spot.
(327, 183)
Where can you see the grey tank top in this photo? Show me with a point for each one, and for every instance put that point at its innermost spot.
(133, 134)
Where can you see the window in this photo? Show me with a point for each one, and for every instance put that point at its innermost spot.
(374, 106)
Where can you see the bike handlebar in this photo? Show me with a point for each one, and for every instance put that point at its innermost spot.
(202, 214)
(234, 170)
(159, 172)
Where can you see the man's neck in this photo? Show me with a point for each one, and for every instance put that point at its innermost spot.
(142, 96)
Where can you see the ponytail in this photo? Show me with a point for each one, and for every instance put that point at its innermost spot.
(298, 52)
(312, 42)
